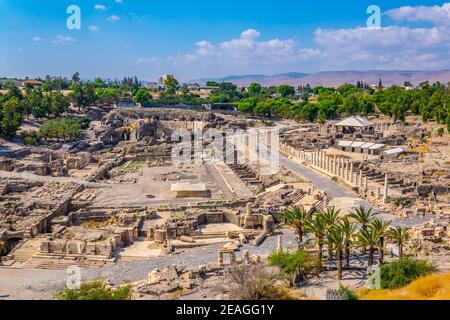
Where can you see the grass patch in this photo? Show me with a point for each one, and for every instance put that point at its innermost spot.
(132, 165)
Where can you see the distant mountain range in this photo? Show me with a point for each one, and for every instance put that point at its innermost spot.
(337, 78)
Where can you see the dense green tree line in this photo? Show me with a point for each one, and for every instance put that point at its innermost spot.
(47, 101)
(431, 102)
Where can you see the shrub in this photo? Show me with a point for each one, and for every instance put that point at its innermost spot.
(294, 263)
(346, 291)
(253, 283)
(31, 137)
(96, 290)
(66, 129)
(2, 248)
(402, 272)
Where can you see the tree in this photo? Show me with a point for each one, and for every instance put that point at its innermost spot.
(350, 105)
(380, 229)
(254, 89)
(328, 106)
(399, 235)
(331, 217)
(309, 112)
(298, 217)
(77, 96)
(58, 103)
(76, 78)
(263, 108)
(366, 105)
(349, 231)
(336, 238)
(171, 84)
(393, 102)
(294, 264)
(317, 226)
(285, 91)
(99, 83)
(247, 105)
(106, 96)
(66, 129)
(368, 238)
(364, 217)
(11, 117)
(142, 96)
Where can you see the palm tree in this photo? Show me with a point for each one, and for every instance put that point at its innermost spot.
(349, 230)
(381, 230)
(297, 216)
(364, 217)
(400, 235)
(368, 238)
(337, 238)
(317, 227)
(331, 217)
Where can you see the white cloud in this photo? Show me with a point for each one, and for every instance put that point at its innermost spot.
(37, 39)
(61, 39)
(438, 15)
(100, 7)
(247, 49)
(391, 47)
(94, 29)
(113, 18)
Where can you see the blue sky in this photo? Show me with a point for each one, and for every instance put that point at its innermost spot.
(195, 39)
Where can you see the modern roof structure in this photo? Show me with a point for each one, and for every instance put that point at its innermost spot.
(395, 151)
(356, 122)
(362, 145)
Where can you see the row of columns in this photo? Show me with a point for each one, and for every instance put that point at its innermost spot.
(339, 167)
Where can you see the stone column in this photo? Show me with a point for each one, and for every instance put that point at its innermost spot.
(338, 173)
(322, 158)
(245, 256)
(233, 258)
(335, 165)
(248, 211)
(280, 244)
(351, 172)
(386, 188)
(220, 260)
(366, 184)
(347, 170)
(360, 178)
